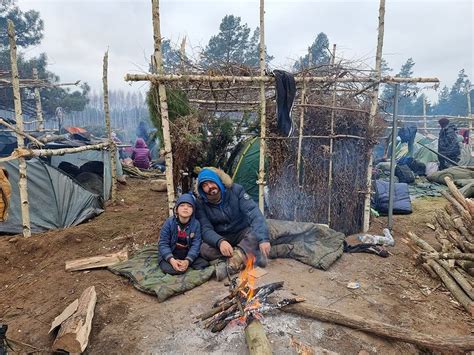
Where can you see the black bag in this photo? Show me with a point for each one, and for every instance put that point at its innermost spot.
(404, 174)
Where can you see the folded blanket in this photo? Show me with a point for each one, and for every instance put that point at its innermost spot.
(145, 274)
(312, 244)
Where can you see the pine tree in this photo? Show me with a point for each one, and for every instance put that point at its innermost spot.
(29, 32)
(319, 53)
(233, 45)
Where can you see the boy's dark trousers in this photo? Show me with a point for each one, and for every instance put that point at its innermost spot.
(198, 264)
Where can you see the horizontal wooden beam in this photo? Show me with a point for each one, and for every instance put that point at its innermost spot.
(267, 79)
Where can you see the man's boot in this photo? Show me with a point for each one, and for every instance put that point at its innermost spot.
(231, 266)
(221, 271)
(237, 261)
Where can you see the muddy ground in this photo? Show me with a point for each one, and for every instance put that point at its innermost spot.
(35, 288)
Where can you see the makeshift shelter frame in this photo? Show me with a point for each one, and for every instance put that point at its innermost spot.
(21, 153)
(372, 80)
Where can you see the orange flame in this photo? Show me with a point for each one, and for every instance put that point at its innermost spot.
(246, 277)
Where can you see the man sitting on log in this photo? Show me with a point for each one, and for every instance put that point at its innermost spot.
(232, 226)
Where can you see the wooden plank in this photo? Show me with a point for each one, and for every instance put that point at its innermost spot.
(68, 311)
(257, 272)
(73, 335)
(96, 261)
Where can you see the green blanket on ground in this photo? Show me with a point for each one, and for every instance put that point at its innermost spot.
(145, 274)
(312, 244)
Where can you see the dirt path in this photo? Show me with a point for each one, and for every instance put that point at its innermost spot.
(35, 288)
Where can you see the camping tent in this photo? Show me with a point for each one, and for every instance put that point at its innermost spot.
(55, 199)
(70, 200)
(243, 165)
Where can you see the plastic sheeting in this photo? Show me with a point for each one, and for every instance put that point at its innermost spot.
(55, 199)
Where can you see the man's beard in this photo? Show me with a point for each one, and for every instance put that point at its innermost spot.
(214, 195)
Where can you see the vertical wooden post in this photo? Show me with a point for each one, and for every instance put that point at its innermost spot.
(331, 140)
(373, 110)
(263, 126)
(182, 54)
(300, 135)
(39, 109)
(165, 124)
(112, 146)
(22, 182)
(425, 126)
(470, 117)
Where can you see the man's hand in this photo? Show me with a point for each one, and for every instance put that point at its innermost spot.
(175, 264)
(226, 249)
(265, 248)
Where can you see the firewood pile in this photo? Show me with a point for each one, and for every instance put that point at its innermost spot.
(453, 264)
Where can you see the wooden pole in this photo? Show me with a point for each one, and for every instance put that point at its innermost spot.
(331, 140)
(256, 339)
(300, 136)
(182, 54)
(373, 110)
(263, 106)
(39, 109)
(382, 329)
(165, 124)
(22, 182)
(112, 146)
(469, 114)
(424, 114)
(22, 133)
(268, 79)
(30, 153)
(299, 180)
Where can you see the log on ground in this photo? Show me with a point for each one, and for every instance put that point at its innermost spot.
(382, 329)
(256, 338)
(73, 336)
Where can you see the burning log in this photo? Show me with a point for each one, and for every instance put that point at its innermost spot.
(244, 302)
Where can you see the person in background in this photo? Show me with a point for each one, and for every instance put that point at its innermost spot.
(141, 155)
(448, 144)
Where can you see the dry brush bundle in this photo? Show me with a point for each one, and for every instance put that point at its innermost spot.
(316, 195)
(186, 143)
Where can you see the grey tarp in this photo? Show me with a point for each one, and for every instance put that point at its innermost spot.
(461, 177)
(55, 200)
(312, 244)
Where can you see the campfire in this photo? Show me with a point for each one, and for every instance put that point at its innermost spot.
(245, 305)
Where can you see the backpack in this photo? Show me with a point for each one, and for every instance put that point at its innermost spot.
(404, 174)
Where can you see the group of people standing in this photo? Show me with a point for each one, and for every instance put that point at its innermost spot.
(221, 225)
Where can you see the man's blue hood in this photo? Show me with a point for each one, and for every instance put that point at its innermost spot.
(209, 175)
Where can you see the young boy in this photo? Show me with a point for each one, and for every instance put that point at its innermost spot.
(180, 239)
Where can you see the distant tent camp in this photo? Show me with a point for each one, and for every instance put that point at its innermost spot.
(243, 165)
(62, 191)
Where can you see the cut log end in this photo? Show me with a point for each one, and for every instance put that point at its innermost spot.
(256, 338)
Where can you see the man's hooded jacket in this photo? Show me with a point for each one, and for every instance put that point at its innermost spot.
(235, 212)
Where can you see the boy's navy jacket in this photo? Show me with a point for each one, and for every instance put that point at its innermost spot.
(169, 237)
(236, 211)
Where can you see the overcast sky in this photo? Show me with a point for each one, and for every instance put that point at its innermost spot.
(438, 35)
